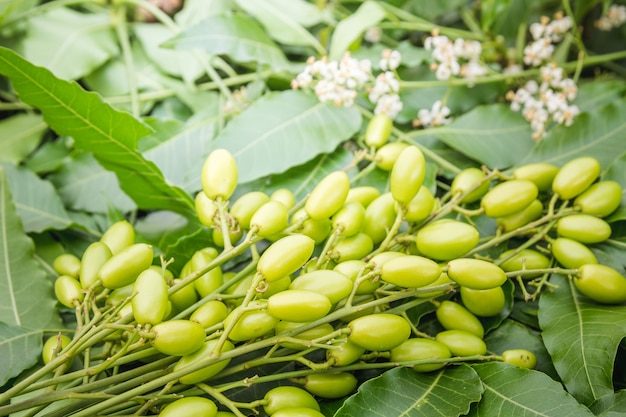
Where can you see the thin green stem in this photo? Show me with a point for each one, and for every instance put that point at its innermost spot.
(122, 34)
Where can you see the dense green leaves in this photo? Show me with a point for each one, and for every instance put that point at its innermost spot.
(21, 349)
(404, 392)
(21, 135)
(582, 338)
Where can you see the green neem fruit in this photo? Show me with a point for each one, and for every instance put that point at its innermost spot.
(475, 273)
(219, 175)
(416, 349)
(600, 199)
(318, 230)
(297, 412)
(118, 236)
(285, 256)
(67, 264)
(298, 305)
(150, 301)
(177, 337)
(471, 183)
(287, 396)
(378, 332)
(210, 313)
(344, 353)
(68, 291)
(462, 343)
(233, 235)
(351, 269)
(453, 316)
(443, 279)
(446, 239)
(190, 407)
(584, 228)
(387, 155)
(521, 358)
(184, 297)
(601, 283)
(206, 209)
(571, 253)
(575, 177)
(93, 258)
(252, 324)
(285, 196)
(364, 194)
(314, 333)
(420, 207)
(483, 303)
(407, 174)
(379, 217)
(52, 346)
(330, 385)
(120, 295)
(541, 173)
(509, 197)
(123, 268)
(332, 284)
(351, 247)
(205, 352)
(348, 220)
(517, 260)
(269, 219)
(246, 205)
(378, 130)
(521, 218)
(410, 271)
(378, 260)
(328, 195)
(211, 280)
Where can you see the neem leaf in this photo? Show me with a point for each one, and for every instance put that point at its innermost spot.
(96, 127)
(582, 337)
(351, 28)
(404, 392)
(512, 391)
(20, 349)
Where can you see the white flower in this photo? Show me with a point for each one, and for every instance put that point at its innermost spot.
(537, 52)
(390, 60)
(436, 116)
(614, 17)
(373, 34)
(389, 104)
(566, 116)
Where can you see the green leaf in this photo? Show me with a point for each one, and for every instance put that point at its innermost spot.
(96, 127)
(599, 134)
(434, 10)
(280, 23)
(69, 43)
(493, 135)
(237, 36)
(20, 347)
(20, 136)
(582, 338)
(350, 29)
(612, 403)
(594, 94)
(25, 291)
(617, 172)
(37, 202)
(283, 130)
(83, 184)
(194, 11)
(512, 391)
(404, 392)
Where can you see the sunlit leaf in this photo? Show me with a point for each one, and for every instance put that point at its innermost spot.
(20, 347)
(404, 392)
(512, 391)
(592, 95)
(582, 338)
(26, 296)
(20, 136)
(350, 29)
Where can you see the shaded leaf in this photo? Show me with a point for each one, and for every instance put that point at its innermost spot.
(297, 129)
(512, 391)
(582, 338)
(26, 295)
(237, 36)
(611, 403)
(493, 135)
(69, 43)
(351, 28)
(20, 136)
(617, 172)
(404, 392)
(20, 347)
(36, 200)
(97, 127)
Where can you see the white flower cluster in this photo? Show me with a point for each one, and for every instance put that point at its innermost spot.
(459, 57)
(340, 82)
(545, 34)
(614, 17)
(549, 101)
(437, 116)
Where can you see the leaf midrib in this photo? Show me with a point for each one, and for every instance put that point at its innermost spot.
(3, 219)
